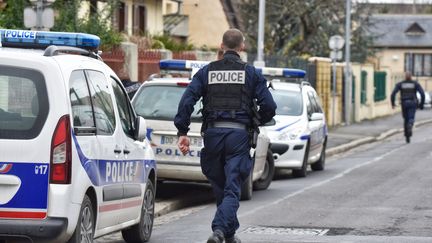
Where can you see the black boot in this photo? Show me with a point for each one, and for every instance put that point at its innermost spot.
(216, 237)
(233, 239)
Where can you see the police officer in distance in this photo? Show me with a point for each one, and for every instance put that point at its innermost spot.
(409, 102)
(228, 88)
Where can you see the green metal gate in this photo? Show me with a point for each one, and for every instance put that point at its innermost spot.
(380, 86)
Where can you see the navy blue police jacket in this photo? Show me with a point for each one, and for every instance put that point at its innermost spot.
(255, 83)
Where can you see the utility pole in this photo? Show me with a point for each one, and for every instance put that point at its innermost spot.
(348, 78)
(39, 11)
(259, 62)
(336, 42)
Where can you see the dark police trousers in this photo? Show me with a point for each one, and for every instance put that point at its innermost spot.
(408, 112)
(226, 162)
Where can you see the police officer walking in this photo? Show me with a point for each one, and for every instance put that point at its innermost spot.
(409, 102)
(228, 88)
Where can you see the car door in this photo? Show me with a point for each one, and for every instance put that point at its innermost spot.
(135, 154)
(109, 157)
(315, 126)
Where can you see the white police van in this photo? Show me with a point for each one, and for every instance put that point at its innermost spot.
(299, 137)
(157, 101)
(73, 162)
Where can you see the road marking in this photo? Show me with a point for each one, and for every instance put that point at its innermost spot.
(337, 176)
(285, 231)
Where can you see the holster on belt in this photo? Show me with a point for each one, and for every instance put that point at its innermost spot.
(253, 137)
(204, 127)
(254, 129)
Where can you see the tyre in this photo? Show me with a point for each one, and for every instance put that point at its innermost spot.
(267, 176)
(84, 230)
(246, 189)
(320, 164)
(303, 170)
(141, 232)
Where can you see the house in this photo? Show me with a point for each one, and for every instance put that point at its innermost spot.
(132, 17)
(206, 20)
(139, 17)
(403, 43)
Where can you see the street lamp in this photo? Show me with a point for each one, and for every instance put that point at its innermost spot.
(336, 42)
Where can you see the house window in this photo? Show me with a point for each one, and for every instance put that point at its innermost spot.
(419, 64)
(121, 17)
(139, 18)
(427, 64)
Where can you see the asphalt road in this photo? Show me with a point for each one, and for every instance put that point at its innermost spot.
(379, 192)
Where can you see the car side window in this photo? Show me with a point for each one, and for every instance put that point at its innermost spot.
(102, 102)
(315, 105)
(125, 110)
(309, 106)
(81, 103)
(318, 102)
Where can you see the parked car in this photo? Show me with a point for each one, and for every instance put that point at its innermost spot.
(157, 101)
(428, 101)
(75, 163)
(299, 137)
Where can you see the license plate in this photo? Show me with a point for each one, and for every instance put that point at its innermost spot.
(172, 140)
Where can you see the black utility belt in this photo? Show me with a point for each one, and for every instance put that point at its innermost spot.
(227, 124)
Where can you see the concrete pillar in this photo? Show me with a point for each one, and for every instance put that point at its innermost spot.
(131, 59)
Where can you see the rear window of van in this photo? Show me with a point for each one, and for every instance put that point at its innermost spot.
(23, 103)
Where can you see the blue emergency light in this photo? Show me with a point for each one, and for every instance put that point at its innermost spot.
(177, 64)
(282, 72)
(43, 39)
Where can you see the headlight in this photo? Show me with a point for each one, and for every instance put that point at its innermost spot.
(291, 134)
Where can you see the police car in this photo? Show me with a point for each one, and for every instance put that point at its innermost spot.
(299, 137)
(157, 101)
(74, 161)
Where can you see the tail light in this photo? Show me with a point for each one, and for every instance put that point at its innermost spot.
(61, 153)
(182, 84)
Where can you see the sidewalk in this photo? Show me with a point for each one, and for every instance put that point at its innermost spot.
(344, 138)
(340, 139)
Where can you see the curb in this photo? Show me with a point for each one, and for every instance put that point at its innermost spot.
(361, 141)
(167, 206)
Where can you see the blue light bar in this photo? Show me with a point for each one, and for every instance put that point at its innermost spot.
(282, 72)
(177, 64)
(43, 39)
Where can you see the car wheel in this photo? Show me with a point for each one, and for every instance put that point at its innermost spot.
(141, 232)
(246, 189)
(320, 164)
(267, 176)
(84, 230)
(303, 170)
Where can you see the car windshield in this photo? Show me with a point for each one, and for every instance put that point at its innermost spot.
(161, 102)
(289, 103)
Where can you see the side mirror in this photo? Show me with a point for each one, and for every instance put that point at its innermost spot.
(316, 117)
(272, 122)
(141, 129)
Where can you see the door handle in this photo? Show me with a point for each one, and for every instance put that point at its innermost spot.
(117, 151)
(125, 151)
